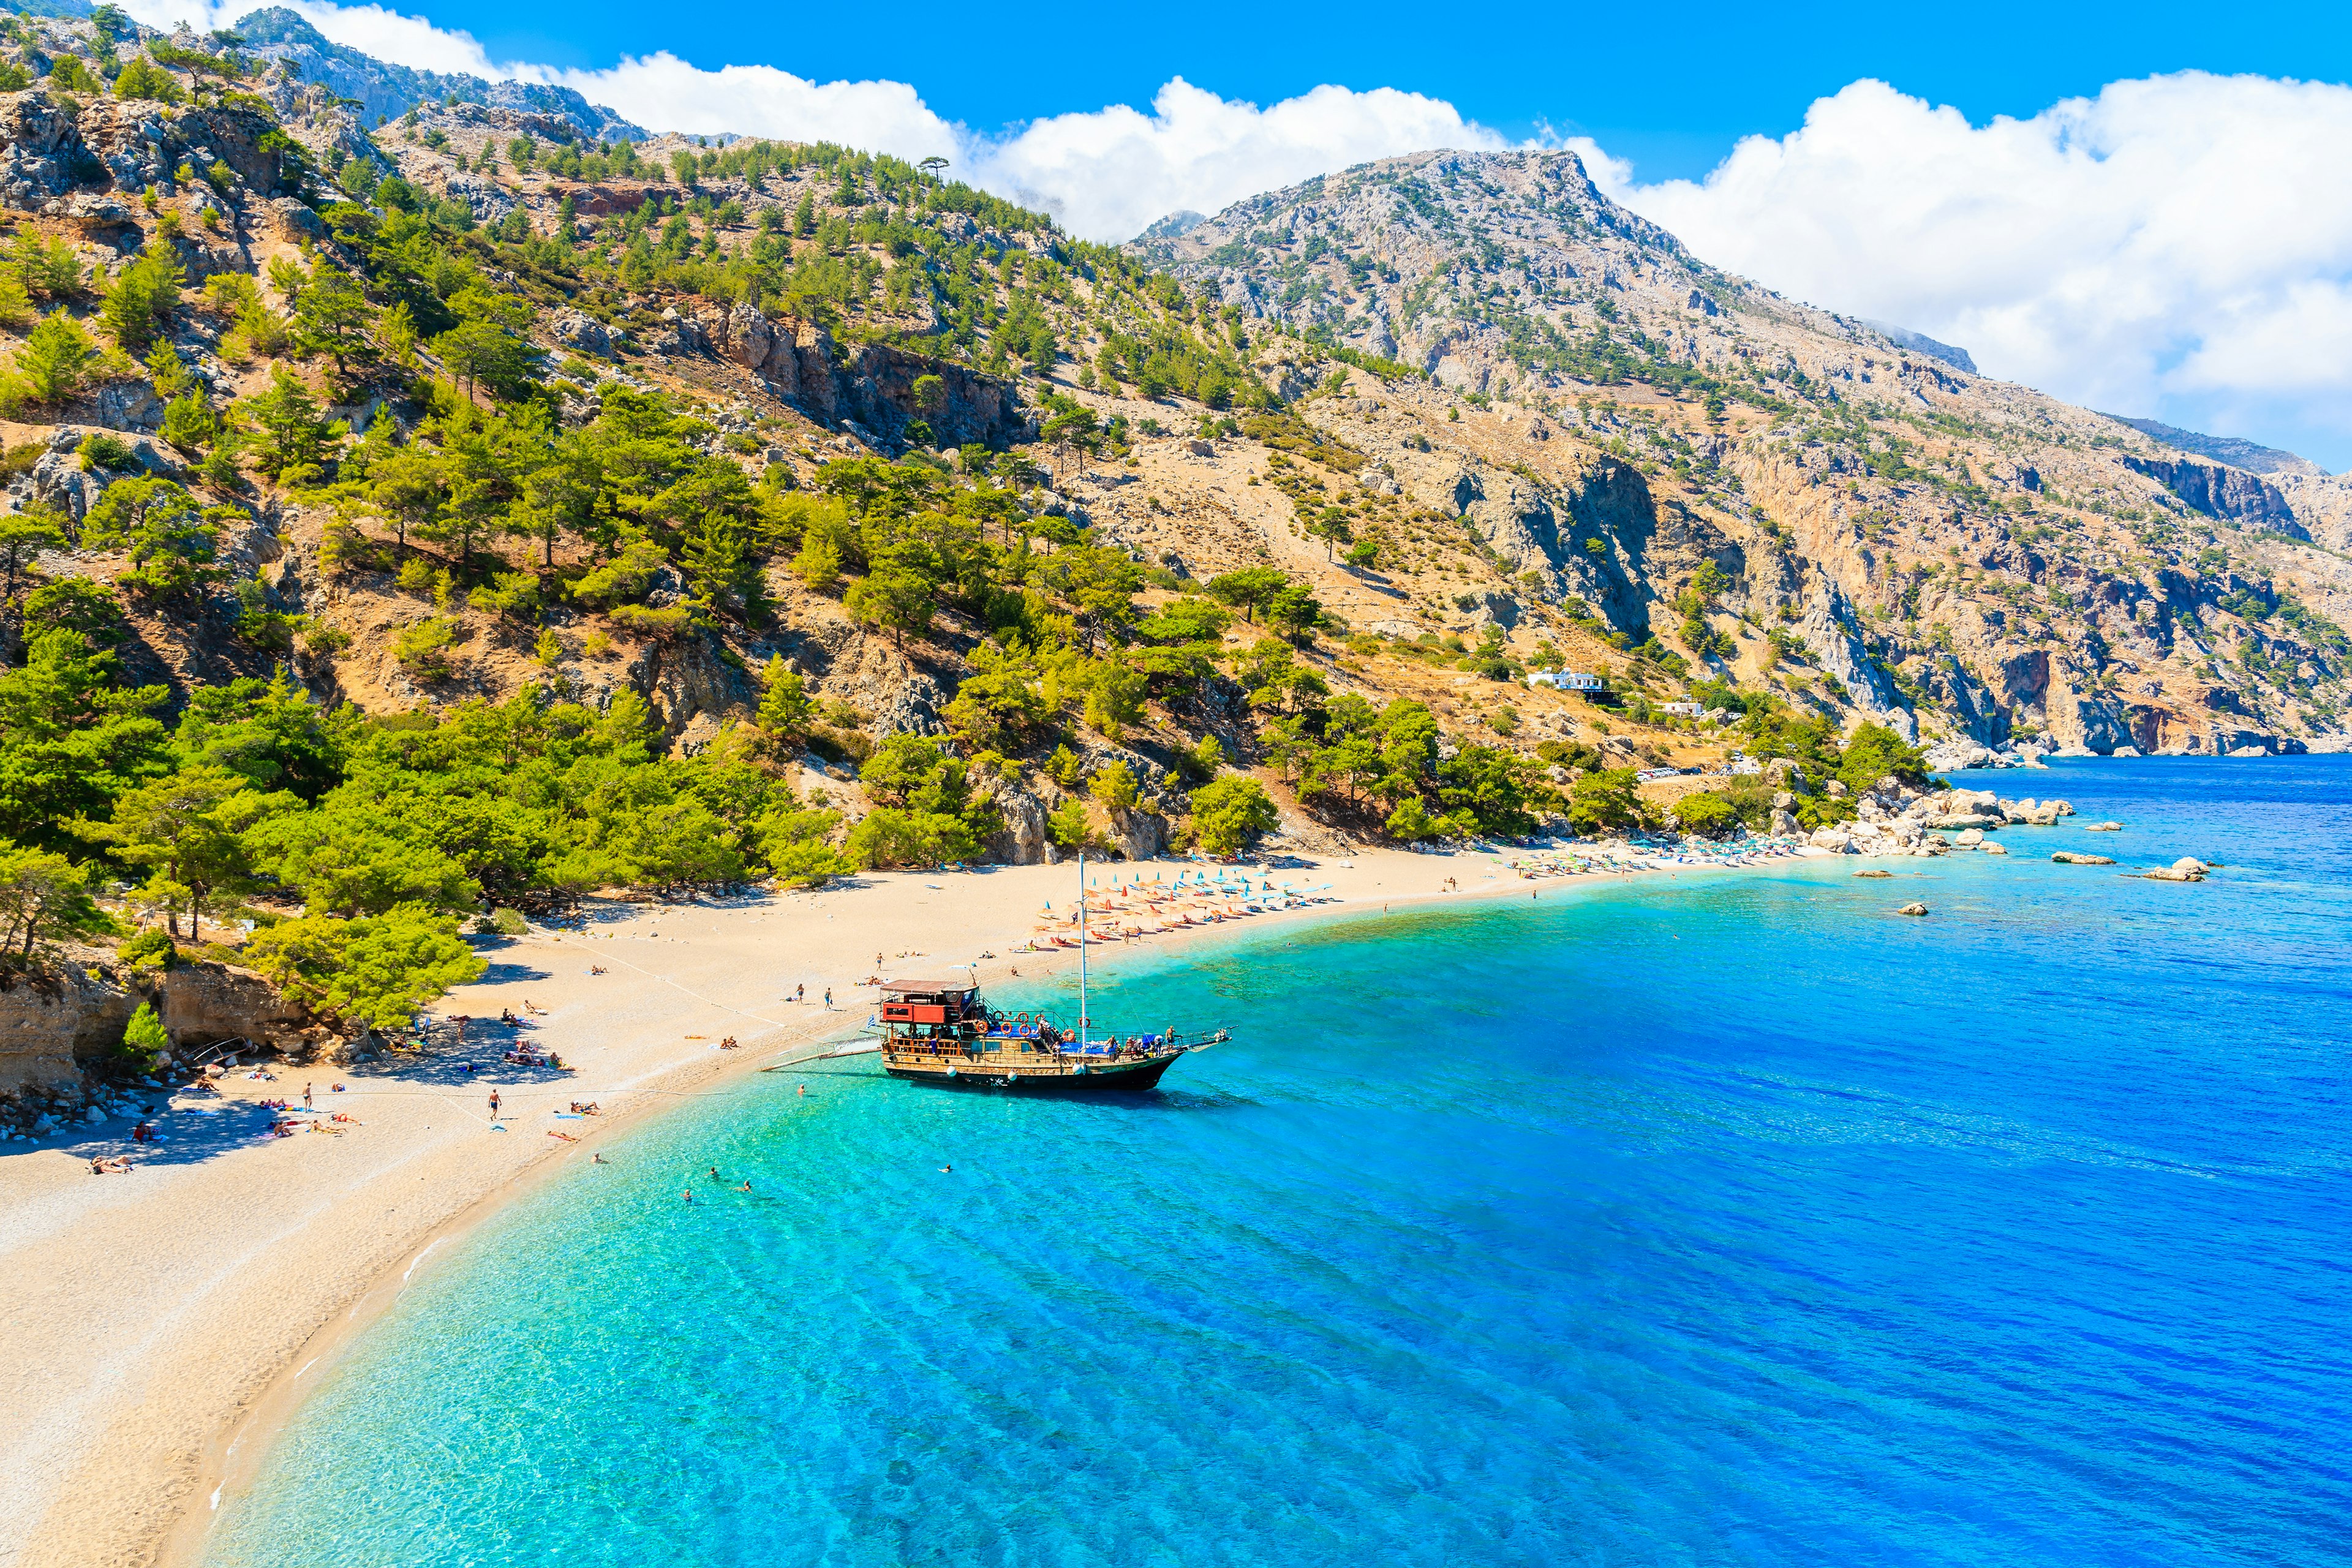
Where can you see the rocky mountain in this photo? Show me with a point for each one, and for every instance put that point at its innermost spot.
(384, 91)
(1903, 338)
(2234, 450)
(1897, 535)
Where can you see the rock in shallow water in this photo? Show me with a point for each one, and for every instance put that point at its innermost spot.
(1912, 910)
(2068, 858)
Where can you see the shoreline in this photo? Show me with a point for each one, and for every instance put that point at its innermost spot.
(228, 1422)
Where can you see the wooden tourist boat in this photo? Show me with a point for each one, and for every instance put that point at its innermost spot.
(940, 1031)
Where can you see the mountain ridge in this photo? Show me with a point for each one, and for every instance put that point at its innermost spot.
(386, 91)
(2234, 450)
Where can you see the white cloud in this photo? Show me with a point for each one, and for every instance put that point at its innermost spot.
(1109, 173)
(2179, 243)
(372, 29)
(663, 93)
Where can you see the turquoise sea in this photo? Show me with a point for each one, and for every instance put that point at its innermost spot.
(1724, 1219)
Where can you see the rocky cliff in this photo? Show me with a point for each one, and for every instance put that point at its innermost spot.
(62, 1021)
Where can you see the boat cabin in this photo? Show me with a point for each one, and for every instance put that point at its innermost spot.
(929, 1002)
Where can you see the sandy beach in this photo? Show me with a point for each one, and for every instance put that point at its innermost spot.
(157, 1324)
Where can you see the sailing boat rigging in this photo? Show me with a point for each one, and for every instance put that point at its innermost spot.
(941, 1032)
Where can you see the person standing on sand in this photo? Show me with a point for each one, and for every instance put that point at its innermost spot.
(494, 1105)
(306, 1096)
(799, 993)
(828, 998)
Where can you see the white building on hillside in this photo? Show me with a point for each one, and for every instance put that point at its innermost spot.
(1564, 680)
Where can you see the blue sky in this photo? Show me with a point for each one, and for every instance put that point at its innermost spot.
(1669, 89)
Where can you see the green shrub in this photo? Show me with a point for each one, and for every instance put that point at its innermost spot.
(151, 949)
(810, 863)
(144, 1040)
(890, 837)
(1228, 812)
(1605, 801)
(1705, 814)
(104, 451)
(422, 650)
(670, 621)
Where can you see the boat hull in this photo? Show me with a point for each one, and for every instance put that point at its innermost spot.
(1130, 1077)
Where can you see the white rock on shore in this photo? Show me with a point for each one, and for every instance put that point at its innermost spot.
(1959, 755)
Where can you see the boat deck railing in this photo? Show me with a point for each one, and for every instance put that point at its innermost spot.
(949, 1054)
(977, 1054)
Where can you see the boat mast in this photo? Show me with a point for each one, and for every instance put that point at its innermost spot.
(1082, 947)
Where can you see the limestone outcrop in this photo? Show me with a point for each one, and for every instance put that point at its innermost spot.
(61, 1021)
(870, 384)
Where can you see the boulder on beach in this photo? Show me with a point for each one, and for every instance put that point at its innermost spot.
(2068, 858)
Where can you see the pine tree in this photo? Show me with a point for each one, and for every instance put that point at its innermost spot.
(53, 356)
(189, 423)
(287, 418)
(332, 316)
(786, 707)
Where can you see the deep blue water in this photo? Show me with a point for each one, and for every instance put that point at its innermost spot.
(1723, 1220)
